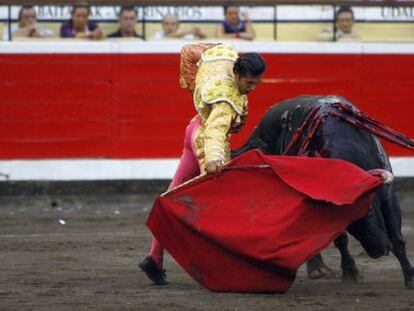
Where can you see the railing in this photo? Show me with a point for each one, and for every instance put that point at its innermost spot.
(221, 2)
(389, 12)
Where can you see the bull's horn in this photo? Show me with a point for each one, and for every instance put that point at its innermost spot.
(386, 176)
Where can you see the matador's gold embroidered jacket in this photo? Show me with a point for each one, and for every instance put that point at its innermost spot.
(219, 103)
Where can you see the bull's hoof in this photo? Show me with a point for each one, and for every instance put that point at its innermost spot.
(409, 279)
(351, 274)
(322, 272)
(352, 278)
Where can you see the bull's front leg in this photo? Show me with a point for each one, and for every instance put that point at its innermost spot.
(392, 215)
(398, 249)
(317, 269)
(349, 269)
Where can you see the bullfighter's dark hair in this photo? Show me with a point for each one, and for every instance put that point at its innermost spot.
(24, 7)
(249, 64)
(344, 9)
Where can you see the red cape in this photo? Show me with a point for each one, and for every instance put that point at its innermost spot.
(249, 229)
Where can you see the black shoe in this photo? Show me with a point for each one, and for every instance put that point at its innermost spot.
(154, 273)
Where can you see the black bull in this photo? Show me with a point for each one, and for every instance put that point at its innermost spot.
(380, 230)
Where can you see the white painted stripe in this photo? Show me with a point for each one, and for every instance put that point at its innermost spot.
(55, 47)
(174, 46)
(381, 48)
(87, 169)
(99, 169)
(403, 166)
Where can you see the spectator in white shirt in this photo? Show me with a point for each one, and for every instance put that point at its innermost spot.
(27, 26)
(170, 30)
(344, 21)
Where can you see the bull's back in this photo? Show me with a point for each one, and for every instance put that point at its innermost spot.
(282, 119)
(347, 142)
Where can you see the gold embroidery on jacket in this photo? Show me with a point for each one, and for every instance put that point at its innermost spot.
(219, 103)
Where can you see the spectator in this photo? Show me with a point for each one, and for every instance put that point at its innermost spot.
(79, 26)
(170, 29)
(27, 26)
(127, 22)
(344, 21)
(233, 27)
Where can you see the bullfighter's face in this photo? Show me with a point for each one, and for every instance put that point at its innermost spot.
(246, 84)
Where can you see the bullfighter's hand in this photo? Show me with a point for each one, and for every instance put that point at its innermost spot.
(214, 167)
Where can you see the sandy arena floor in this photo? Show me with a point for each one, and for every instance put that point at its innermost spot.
(76, 256)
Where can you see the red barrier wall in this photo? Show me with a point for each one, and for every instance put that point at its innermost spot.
(130, 106)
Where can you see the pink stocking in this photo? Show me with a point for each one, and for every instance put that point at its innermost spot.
(188, 168)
